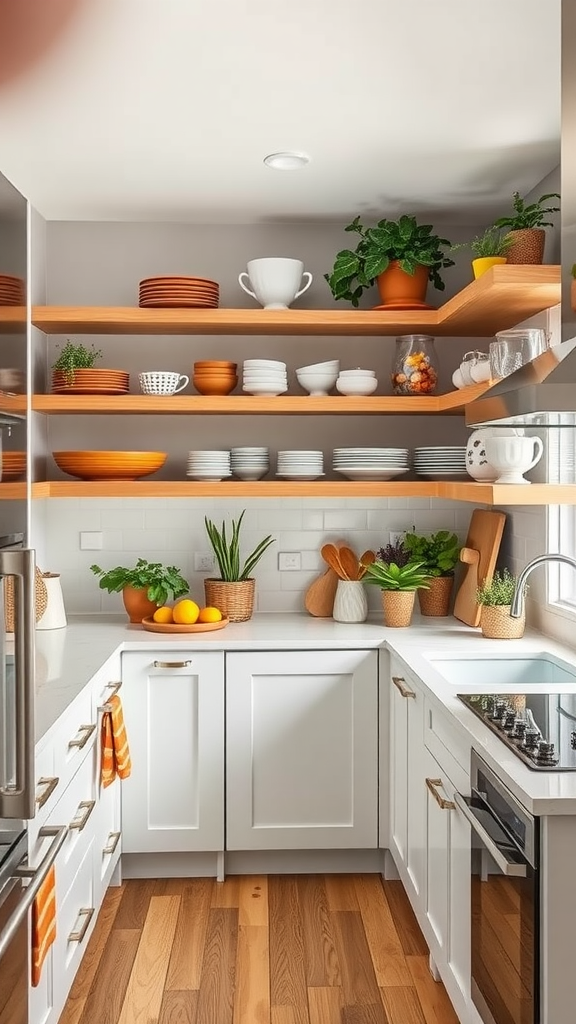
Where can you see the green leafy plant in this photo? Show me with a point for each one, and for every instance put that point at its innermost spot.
(396, 553)
(573, 271)
(438, 553)
(163, 583)
(227, 551)
(529, 216)
(499, 590)
(405, 240)
(389, 576)
(75, 357)
(491, 243)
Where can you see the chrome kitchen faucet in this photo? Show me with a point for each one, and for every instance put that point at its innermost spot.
(517, 606)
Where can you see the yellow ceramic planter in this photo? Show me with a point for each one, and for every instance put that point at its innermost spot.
(484, 263)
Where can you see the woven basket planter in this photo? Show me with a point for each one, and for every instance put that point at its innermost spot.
(398, 606)
(496, 623)
(235, 600)
(40, 595)
(436, 600)
(527, 246)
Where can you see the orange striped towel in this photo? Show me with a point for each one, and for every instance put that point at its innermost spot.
(115, 749)
(43, 923)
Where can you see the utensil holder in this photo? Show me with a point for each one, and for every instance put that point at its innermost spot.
(350, 602)
(54, 615)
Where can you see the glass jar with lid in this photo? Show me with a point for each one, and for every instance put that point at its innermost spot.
(415, 367)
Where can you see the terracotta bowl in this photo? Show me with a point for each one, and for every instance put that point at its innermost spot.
(109, 465)
(214, 384)
(215, 364)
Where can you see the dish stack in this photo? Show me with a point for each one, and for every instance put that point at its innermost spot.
(13, 466)
(90, 382)
(175, 292)
(250, 463)
(208, 465)
(12, 291)
(440, 463)
(265, 377)
(300, 465)
(371, 463)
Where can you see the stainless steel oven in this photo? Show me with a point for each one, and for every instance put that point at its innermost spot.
(504, 902)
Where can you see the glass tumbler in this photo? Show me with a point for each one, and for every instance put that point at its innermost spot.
(415, 367)
(513, 349)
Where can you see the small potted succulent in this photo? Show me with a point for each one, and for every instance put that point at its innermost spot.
(526, 228)
(144, 587)
(495, 597)
(233, 592)
(490, 249)
(401, 256)
(398, 580)
(438, 554)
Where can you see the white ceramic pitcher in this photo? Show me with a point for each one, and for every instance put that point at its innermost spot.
(513, 456)
(276, 281)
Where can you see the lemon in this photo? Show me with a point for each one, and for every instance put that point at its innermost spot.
(210, 615)
(163, 614)
(186, 612)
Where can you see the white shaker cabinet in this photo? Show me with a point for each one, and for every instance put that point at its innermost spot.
(407, 797)
(174, 714)
(302, 757)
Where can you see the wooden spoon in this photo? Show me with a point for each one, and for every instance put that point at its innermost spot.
(365, 560)
(349, 562)
(330, 555)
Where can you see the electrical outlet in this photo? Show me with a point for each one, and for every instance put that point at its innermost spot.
(289, 561)
(204, 562)
(396, 536)
(91, 541)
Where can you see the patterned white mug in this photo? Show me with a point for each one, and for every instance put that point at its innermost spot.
(162, 382)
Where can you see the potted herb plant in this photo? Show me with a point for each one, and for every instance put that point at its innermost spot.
(145, 586)
(490, 249)
(398, 584)
(526, 228)
(233, 592)
(72, 359)
(438, 554)
(401, 256)
(495, 597)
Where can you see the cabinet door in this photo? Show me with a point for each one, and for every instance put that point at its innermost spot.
(174, 712)
(407, 801)
(301, 764)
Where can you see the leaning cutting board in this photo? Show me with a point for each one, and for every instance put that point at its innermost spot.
(319, 598)
(479, 554)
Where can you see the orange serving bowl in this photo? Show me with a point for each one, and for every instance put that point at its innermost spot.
(92, 465)
(209, 384)
(13, 466)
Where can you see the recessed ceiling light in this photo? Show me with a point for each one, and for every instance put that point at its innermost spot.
(287, 161)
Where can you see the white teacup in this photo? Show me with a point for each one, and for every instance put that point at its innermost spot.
(276, 281)
(513, 456)
(162, 382)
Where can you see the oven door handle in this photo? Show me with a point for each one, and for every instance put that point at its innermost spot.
(36, 879)
(507, 867)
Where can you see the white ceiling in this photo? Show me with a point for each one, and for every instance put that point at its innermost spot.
(164, 109)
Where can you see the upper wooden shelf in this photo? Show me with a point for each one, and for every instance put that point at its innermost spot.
(12, 319)
(499, 299)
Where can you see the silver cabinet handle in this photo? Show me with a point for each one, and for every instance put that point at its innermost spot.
(507, 866)
(50, 783)
(82, 737)
(87, 913)
(400, 684)
(113, 687)
(79, 823)
(36, 876)
(171, 664)
(446, 805)
(113, 840)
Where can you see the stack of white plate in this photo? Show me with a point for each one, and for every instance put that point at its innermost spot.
(208, 465)
(371, 463)
(300, 465)
(249, 463)
(266, 377)
(440, 462)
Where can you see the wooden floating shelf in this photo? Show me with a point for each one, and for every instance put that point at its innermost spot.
(501, 298)
(13, 319)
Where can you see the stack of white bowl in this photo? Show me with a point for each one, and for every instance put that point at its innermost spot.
(356, 382)
(440, 462)
(371, 463)
(265, 377)
(208, 465)
(300, 465)
(319, 378)
(250, 463)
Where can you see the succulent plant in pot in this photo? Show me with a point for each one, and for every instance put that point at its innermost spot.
(144, 587)
(489, 249)
(438, 554)
(495, 598)
(398, 584)
(233, 592)
(526, 227)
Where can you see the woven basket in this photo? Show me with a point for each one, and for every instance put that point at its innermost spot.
(436, 600)
(41, 599)
(398, 606)
(496, 623)
(527, 246)
(235, 600)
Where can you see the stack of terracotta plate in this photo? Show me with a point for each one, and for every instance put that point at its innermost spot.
(91, 382)
(195, 292)
(109, 465)
(13, 466)
(12, 291)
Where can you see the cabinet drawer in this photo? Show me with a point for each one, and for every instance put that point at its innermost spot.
(76, 919)
(108, 839)
(76, 809)
(448, 744)
(61, 756)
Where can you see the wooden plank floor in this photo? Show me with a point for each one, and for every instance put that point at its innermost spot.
(287, 949)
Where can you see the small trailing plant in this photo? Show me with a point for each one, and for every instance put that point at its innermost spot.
(531, 215)
(227, 551)
(75, 357)
(163, 583)
(390, 576)
(405, 240)
(396, 553)
(438, 553)
(491, 243)
(499, 590)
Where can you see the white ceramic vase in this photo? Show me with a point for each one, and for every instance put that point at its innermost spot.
(478, 465)
(350, 602)
(513, 456)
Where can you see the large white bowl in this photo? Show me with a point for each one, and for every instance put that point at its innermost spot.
(356, 385)
(358, 373)
(330, 366)
(317, 383)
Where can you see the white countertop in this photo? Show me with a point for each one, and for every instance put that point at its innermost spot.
(68, 658)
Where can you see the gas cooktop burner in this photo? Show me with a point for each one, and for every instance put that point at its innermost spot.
(539, 727)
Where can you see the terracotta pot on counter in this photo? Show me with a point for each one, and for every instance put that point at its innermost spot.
(137, 604)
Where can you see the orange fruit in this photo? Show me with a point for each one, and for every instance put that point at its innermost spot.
(210, 615)
(163, 614)
(186, 612)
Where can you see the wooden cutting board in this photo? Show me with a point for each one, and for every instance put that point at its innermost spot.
(479, 554)
(319, 598)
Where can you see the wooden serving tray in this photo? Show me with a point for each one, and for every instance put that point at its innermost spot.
(175, 627)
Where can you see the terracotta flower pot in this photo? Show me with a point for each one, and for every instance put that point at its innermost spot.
(396, 286)
(484, 263)
(398, 606)
(527, 247)
(436, 600)
(235, 600)
(137, 604)
(497, 623)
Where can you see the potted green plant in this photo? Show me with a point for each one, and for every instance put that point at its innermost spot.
(495, 597)
(400, 255)
(144, 587)
(233, 592)
(398, 584)
(438, 554)
(490, 249)
(526, 227)
(72, 359)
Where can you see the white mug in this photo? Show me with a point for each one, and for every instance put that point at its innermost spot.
(162, 382)
(513, 456)
(276, 281)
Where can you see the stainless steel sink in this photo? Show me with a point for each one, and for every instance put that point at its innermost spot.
(530, 670)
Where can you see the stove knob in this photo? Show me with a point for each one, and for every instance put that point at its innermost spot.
(546, 755)
(531, 739)
(499, 710)
(519, 730)
(509, 720)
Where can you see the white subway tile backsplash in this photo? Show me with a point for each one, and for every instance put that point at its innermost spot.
(124, 518)
(139, 540)
(418, 502)
(299, 581)
(304, 541)
(272, 520)
(312, 520)
(345, 519)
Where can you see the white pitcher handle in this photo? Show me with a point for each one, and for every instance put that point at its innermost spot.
(184, 385)
(539, 449)
(306, 286)
(243, 286)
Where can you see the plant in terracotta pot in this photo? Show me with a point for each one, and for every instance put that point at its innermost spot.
(398, 584)
(526, 228)
(495, 597)
(401, 256)
(71, 359)
(489, 250)
(233, 593)
(438, 554)
(144, 587)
